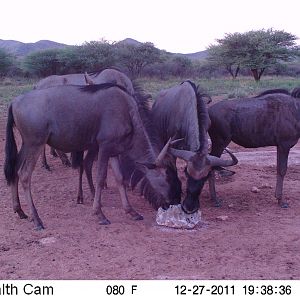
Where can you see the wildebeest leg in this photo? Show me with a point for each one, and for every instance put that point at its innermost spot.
(27, 164)
(44, 159)
(218, 146)
(102, 163)
(53, 152)
(64, 158)
(212, 189)
(115, 165)
(88, 167)
(80, 192)
(16, 201)
(282, 159)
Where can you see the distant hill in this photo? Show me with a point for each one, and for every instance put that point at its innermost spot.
(129, 41)
(22, 49)
(197, 55)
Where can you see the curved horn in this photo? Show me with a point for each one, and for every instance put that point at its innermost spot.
(176, 141)
(88, 80)
(163, 153)
(183, 154)
(219, 162)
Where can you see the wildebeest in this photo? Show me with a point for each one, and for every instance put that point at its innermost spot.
(55, 80)
(111, 75)
(270, 120)
(71, 119)
(181, 112)
(106, 75)
(130, 173)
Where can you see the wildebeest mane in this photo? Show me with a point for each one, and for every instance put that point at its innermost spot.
(93, 88)
(202, 113)
(129, 168)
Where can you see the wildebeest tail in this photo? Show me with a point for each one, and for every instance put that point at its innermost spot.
(11, 151)
(76, 159)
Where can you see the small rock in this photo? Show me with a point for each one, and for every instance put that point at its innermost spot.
(266, 186)
(222, 218)
(255, 189)
(47, 240)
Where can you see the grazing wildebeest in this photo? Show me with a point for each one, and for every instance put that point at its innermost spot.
(270, 120)
(71, 119)
(181, 112)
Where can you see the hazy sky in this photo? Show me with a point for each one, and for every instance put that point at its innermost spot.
(177, 25)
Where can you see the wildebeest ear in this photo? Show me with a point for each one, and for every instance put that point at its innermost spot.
(146, 164)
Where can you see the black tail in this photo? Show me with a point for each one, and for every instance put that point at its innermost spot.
(11, 151)
(76, 158)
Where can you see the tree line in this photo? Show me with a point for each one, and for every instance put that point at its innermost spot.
(254, 52)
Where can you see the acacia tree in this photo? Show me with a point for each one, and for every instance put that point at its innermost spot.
(136, 57)
(6, 62)
(254, 50)
(92, 57)
(227, 53)
(42, 63)
(96, 55)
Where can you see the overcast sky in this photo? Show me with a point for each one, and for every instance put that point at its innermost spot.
(183, 26)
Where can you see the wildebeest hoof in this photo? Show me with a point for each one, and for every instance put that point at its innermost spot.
(79, 200)
(104, 222)
(53, 153)
(46, 167)
(284, 205)
(67, 163)
(21, 214)
(39, 227)
(134, 215)
(138, 217)
(218, 203)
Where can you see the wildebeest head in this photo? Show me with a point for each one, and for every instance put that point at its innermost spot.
(157, 185)
(197, 170)
(200, 164)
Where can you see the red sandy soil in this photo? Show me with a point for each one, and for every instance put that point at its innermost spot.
(253, 239)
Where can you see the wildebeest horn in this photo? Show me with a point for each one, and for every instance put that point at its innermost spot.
(176, 141)
(163, 153)
(219, 162)
(183, 154)
(88, 80)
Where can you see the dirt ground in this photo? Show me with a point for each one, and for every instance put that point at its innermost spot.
(249, 237)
